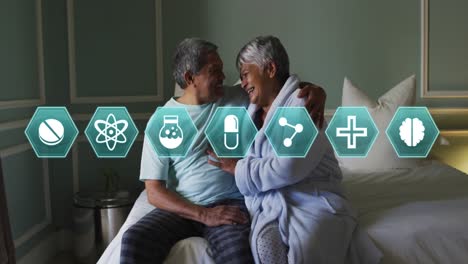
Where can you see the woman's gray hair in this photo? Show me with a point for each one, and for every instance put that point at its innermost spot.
(263, 50)
(190, 56)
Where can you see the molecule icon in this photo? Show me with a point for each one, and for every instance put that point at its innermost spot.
(285, 142)
(298, 128)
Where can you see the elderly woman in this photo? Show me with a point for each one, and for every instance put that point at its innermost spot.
(299, 213)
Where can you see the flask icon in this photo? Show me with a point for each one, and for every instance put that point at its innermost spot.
(171, 135)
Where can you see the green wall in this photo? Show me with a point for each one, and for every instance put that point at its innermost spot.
(374, 43)
(26, 179)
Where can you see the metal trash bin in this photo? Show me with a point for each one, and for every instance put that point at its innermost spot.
(97, 218)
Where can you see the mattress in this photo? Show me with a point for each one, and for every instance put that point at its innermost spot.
(414, 215)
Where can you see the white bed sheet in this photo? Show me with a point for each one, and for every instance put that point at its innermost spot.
(415, 215)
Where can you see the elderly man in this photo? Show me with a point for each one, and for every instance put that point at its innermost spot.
(201, 200)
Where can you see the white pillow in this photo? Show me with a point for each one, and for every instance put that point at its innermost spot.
(381, 155)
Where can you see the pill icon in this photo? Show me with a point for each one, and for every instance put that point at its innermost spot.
(51, 132)
(231, 126)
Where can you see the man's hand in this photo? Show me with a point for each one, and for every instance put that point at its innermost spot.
(223, 215)
(226, 164)
(315, 101)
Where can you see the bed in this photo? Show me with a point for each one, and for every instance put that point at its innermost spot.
(410, 210)
(416, 215)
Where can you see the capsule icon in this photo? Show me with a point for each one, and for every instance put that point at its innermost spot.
(231, 131)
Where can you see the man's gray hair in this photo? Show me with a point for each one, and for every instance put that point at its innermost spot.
(190, 56)
(263, 50)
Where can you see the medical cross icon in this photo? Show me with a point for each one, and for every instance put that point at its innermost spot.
(351, 132)
(343, 131)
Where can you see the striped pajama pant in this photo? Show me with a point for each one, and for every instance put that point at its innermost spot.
(152, 237)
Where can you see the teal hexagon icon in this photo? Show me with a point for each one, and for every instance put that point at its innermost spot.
(111, 132)
(51, 132)
(412, 132)
(171, 131)
(291, 132)
(231, 132)
(352, 132)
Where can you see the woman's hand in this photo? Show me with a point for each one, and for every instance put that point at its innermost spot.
(226, 164)
(315, 101)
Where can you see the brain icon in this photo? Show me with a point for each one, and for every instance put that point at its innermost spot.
(412, 131)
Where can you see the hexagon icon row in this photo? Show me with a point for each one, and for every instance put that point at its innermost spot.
(352, 132)
(111, 132)
(172, 132)
(290, 132)
(231, 132)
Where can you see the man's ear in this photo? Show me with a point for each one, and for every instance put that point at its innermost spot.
(188, 77)
(271, 69)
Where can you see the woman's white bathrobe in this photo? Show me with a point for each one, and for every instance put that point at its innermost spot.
(303, 194)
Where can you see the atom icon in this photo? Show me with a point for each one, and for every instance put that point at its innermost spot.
(109, 131)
